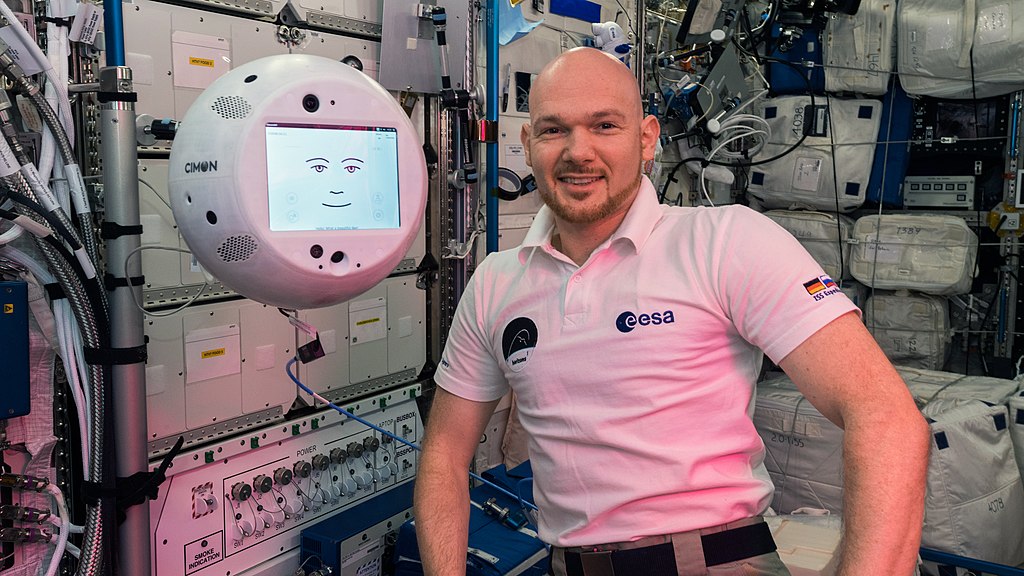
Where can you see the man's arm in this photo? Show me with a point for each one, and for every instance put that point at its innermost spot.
(844, 374)
(441, 506)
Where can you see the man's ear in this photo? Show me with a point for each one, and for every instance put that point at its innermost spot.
(650, 131)
(524, 137)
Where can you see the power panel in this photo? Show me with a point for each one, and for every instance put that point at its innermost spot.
(239, 503)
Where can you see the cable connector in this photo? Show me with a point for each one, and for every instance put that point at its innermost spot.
(23, 513)
(309, 351)
(24, 482)
(30, 535)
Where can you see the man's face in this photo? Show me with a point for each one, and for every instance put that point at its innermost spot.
(587, 140)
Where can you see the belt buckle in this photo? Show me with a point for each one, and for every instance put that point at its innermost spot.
(597, 563)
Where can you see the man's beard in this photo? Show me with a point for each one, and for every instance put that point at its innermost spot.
(575, 214)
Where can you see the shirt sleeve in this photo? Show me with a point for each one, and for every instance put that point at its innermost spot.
(775, 293)
(468, 367)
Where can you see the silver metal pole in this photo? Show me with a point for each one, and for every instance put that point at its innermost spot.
(121, 191)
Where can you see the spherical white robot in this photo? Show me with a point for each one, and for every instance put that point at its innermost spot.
(297, 181)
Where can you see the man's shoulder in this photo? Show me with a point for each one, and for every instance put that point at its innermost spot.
(727, 215)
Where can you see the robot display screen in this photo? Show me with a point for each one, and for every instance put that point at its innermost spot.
(332, 177)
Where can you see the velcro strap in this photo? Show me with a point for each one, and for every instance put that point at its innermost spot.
(55, 291)
(135, 489)
(65, 22)
(115, 356)
(111, 230)
(114, 282)
(105, 97)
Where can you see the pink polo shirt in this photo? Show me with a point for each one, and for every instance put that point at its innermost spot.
(635, 372)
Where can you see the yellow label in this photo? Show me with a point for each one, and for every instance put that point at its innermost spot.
(207, 62)
(8, 308)
(367, 321)
(213, 353)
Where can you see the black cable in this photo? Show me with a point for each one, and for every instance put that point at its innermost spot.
(672, 175)
(835, 188)
(687, 21)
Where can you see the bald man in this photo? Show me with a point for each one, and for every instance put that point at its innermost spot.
(633, 334)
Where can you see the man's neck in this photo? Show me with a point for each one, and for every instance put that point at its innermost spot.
(578, 241)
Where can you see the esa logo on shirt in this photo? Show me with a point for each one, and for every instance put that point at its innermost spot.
(628, 321)
(517, 342)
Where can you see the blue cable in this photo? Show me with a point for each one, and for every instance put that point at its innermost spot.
(339, 409)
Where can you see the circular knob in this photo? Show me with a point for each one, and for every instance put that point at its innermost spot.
(201, 507)
(302, 469)
(349, 486)
(267, 519)
(321, 462)
(335, 490)
(394, 468)
(245, 527)
(384, 472)
(293, 506)
(283, 476)
(241, 492)
(363, 479)
(277, 516)
(371, 444)
(338, 455)
(354, 450)
(262, 484)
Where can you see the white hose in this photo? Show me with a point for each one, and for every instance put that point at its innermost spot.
(62, 538)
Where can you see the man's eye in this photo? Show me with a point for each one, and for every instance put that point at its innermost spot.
(607, 126)
(319, 167)
(351, 169)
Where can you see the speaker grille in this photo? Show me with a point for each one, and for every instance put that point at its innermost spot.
(237, 248)
(231, 107)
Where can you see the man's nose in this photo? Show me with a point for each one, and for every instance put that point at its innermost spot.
(579, 147)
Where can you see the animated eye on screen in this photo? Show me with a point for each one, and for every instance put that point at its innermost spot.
(317, 183)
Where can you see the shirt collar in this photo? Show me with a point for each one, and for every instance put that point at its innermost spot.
(636, 227)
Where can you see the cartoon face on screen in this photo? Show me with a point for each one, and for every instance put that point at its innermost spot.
(343, 179)
(332, 178)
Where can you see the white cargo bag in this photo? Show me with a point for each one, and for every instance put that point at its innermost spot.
(929, 385)
(858, 49)
(974, 505)
(842, 134)
(803, 450)
(1016, 406)
(825, 236)
(937, 39)
(912, 329)
(929, 253)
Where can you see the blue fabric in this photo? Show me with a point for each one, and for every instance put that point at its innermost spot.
(892, 153)
(579, 9)
(486, 533)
